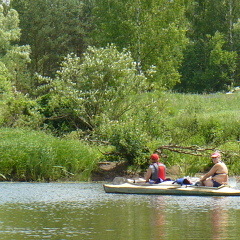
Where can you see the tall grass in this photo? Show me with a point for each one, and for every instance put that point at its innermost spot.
(210, 122)
(35, 156)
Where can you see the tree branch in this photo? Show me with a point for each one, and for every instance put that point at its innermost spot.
(191, 150)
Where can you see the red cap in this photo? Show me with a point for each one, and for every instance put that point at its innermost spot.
(216, 154)
(154, 156)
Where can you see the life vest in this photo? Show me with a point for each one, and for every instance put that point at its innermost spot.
(161, 171)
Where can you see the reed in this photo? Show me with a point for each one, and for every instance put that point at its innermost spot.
(36, 156)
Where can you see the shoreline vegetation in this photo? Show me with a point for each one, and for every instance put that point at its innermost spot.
(77, 91)
(183, 128)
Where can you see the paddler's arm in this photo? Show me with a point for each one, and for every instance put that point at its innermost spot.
(148, 174)
(210, 173)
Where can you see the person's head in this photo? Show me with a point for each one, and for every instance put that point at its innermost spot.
(154, 157)
(216, 156)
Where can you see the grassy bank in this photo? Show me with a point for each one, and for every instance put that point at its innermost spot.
(186, 128)
(209, 121)
(35, 156)
(190, 126)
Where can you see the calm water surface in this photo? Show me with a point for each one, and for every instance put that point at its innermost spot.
(82, 211)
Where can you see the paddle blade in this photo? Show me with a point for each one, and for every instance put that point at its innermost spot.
(119, 180)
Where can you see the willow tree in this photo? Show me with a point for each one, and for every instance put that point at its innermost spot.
(154, 31)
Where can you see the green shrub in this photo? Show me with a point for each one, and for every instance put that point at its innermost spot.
(100, 82)
(231, 150)
(129, 142)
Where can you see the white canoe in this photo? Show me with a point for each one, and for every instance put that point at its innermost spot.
(170, 189)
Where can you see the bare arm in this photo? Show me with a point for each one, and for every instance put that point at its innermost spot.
(210, 173)
(148, 175)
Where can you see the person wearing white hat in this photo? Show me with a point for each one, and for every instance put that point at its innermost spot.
(218, 174)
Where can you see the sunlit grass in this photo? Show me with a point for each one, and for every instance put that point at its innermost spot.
(35, 156)
(208, 121)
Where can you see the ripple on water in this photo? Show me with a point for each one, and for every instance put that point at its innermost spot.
(89, 193)
(85, 211)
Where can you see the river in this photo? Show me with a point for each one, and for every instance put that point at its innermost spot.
(82, 211)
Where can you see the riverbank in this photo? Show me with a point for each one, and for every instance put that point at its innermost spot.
(107, 171)
(184, 128)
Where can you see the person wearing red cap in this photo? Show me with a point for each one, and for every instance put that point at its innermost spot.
(156, 171)
(218, 174)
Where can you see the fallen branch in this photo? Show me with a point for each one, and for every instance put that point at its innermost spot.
(191, 150)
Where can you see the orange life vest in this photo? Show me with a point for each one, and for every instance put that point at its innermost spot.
(161, 171)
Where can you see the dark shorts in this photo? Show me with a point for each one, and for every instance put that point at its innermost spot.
(216, 184)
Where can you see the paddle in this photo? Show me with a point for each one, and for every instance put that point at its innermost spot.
(232, 181)
(121, 180)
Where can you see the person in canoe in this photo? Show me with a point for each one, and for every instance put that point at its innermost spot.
(156, 172)
(218, 174)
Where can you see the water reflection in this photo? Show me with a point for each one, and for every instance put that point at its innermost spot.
(158, 219)
(220, 223)
(85, 211)
(196, 217)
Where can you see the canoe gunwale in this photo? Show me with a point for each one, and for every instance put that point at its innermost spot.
(154, 189)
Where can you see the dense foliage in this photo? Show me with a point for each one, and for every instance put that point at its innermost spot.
(102, 71)
(186, 128)
(191, 43)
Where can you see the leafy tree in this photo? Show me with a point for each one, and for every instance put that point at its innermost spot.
(52, 29)
(91, 88)
(216, 66)
(5, 84)
(236, 47)
(13, 58)
(154, 31)
(222, 64)
(207, 17)
(211, 37)
(16, 108)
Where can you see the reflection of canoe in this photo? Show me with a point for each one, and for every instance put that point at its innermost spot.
(170, 189)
